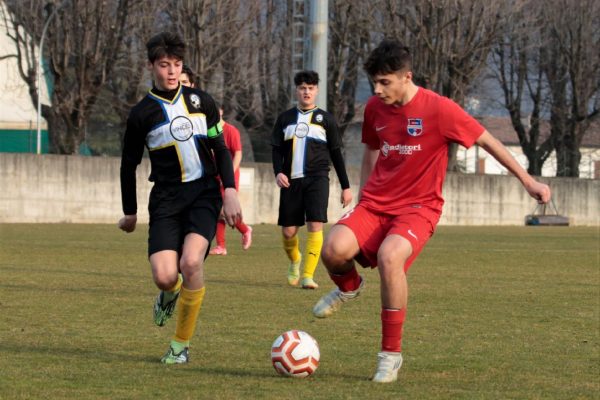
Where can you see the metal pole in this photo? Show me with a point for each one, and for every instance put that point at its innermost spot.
(319, 12)
(39, 77)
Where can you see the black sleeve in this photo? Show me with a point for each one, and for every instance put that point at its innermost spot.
(333, 135)
(335, 151)
(133, 150)
(224, 162)
(276, 142)
(277, 160)
(217, 142)
(338, 163)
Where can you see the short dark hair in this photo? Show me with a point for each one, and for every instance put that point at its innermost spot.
(388, 57)
(308, 77)
(165, 44)
(189, 72)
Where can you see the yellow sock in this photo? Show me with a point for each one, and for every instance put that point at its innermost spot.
(292, 249)
(188, 309)
(170, 294)
(314, 242)
(177, 286)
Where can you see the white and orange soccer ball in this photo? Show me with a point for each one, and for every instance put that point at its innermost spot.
(295, 353)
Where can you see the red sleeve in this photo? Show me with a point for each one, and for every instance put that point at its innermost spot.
(369, 136)
(233, 139)
(457, 125)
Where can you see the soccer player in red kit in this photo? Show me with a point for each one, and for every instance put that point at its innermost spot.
(406, 132)
(233, 141)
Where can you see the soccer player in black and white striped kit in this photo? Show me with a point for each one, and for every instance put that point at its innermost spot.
(304, 139)
(181, 129)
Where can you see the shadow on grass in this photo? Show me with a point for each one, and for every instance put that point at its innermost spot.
(245, 283)
(270, 373)
(95, 356)
(70, 272)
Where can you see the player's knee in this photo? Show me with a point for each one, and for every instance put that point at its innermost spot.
(332, 254)
(165, 281)
(289, 232)
(190, 263)
(392, 261)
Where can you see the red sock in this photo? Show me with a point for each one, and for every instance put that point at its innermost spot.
(391, 329)
(347, 282)
(221, 233)
(241, 227)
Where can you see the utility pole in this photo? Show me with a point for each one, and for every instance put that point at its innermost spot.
(319, 11)
(300, 41)
(309, 43)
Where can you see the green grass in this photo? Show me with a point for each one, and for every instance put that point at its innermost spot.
(495, 313)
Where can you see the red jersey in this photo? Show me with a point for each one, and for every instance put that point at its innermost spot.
(413, 150)
(233, 142)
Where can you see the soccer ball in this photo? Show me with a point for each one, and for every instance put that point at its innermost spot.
(295, 353)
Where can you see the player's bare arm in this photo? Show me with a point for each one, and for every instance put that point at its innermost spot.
(282, 180)
(127, 223)
(232, 212)
(237, 160)
(537, 190)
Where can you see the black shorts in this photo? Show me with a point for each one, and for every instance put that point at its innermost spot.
(178, 209)
(305, 200)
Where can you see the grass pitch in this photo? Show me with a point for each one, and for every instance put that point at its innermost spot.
(494, 313)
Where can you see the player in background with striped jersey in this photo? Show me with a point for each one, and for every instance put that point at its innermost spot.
(304, 139)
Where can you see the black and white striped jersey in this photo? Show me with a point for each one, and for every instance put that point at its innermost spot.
(304, 141)
(181, 129)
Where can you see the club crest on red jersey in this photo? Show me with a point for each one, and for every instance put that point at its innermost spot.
(415, 127)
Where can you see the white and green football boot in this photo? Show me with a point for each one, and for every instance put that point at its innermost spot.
(178, 353)
(164, 307)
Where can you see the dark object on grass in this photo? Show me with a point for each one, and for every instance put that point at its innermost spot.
(543, 217)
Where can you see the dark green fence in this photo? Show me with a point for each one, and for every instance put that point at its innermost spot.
(22, 141)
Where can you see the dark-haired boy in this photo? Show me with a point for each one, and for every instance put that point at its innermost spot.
(187, 77)
(304, 139)
(406, 132)
(180, 128)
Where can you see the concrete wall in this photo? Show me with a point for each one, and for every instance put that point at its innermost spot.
(52, 188)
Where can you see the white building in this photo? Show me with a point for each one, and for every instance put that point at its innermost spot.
(18, 114)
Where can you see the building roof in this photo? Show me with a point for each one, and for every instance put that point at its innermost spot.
(502, 128)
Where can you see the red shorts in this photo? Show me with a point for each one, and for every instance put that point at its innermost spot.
(371, 228)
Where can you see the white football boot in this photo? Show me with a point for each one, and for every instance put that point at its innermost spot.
(332, 301)
(388, 365)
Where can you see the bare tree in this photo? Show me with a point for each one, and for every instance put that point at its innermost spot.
(450, 41)
(128, 80)
(82, 44)
(350, 24)
(261, 103)
(226, 47)
(516, 65)
(571, 62)
(218, 34)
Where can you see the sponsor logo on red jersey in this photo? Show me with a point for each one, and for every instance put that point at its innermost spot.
(415, 127)
(403, 149)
